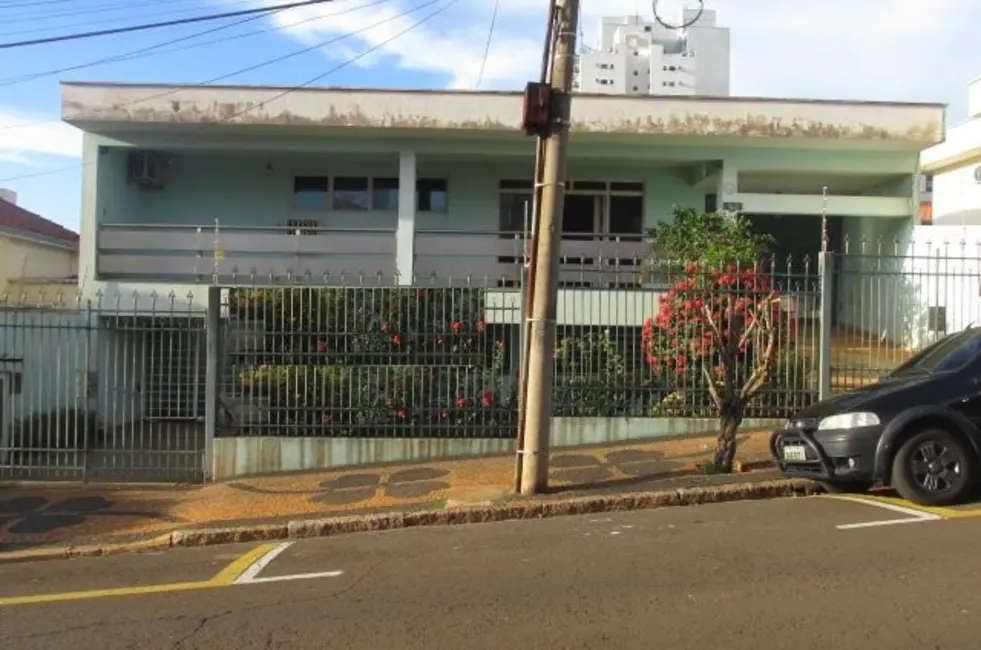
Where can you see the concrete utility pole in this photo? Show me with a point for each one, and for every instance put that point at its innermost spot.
(537, 418)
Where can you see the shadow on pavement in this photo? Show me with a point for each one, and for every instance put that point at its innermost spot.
(30, 521)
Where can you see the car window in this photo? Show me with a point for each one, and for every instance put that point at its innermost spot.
(946, 355)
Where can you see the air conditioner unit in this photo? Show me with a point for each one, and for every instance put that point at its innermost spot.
(145, 168)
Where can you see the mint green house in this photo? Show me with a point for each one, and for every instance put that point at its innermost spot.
(184, 185)
(191, 191)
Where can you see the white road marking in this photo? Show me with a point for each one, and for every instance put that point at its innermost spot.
(914, 516)
(298, 576)
(251, 575)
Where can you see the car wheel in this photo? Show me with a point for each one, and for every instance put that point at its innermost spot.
(846, 487)
(933, 468)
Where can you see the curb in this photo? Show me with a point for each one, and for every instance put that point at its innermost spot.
(514, 510)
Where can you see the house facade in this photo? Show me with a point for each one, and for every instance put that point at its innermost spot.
(192, 186)
(198, 200)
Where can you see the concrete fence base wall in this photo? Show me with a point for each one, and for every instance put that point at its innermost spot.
(245, 456)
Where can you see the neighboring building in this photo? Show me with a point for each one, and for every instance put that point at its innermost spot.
(925, 186)
(33, 250)
(955, 168)
(331, 184)
(638, 57)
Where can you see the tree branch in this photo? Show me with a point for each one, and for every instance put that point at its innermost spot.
(713, 391)
(761, 373)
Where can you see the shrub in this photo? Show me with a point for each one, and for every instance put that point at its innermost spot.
(720, 328)
(593, 378)
(375, 363)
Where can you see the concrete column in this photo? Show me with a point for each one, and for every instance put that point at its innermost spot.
(89, 217)
(405, 233)
(728, 188)
(212, 377)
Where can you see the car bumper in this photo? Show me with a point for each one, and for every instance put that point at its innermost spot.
(833, 455)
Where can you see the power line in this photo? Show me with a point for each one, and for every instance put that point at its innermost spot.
(353, 59)
(102, 22)
(168, 23)
(61, 12)
(490, 37)
(289, 90)
(310, 48)
(17, 5)
(263, 64)
(155, 49)
(10, 81)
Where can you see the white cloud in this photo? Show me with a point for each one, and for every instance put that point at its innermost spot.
(24, 137)
(872, 49)
(451, 44)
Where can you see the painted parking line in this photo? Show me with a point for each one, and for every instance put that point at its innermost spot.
(913, 515)
(251, 573)
(954, 512)
(243, 570)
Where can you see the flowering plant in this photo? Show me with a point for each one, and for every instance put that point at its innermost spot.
(720, 327)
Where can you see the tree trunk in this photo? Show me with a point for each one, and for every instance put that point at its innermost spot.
(725, 444)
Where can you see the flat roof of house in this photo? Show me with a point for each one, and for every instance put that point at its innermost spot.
(104, 107)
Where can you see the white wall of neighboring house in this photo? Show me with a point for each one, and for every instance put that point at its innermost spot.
(957, 196)
(641, 57)
(954, 166)
(942, 271)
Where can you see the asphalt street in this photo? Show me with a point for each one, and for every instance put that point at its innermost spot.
(766, 575)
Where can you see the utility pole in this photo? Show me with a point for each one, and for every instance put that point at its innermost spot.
(547, 113)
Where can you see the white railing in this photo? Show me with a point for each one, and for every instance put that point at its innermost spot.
(164, 252)
(502, 256)
(250, 254)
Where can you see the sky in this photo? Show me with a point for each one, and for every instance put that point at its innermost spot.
(887, 50)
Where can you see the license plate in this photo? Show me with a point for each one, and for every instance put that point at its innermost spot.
(794, 453)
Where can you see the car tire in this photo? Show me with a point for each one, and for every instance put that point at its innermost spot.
(943, 483)
(846, 487)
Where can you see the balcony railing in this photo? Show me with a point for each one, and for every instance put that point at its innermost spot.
(175, 253)
(251, 254)
(587, 260)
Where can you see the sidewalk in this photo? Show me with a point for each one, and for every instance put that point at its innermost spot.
(75, 515)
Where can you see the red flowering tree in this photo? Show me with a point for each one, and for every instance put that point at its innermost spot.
(717, 328)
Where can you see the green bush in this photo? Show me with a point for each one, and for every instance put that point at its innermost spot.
(375, 363)
(414, 362)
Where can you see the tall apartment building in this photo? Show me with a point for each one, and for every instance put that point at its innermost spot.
(638, 57)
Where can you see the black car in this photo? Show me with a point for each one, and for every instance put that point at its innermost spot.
(918, 429)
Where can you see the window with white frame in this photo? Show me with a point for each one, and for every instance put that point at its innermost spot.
(362, 193)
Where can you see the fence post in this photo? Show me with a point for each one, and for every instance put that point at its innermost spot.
(212, 361)
(826, 263)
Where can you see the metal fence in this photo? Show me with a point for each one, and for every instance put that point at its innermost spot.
(377, 362)
(117, 387)
(91, 390)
